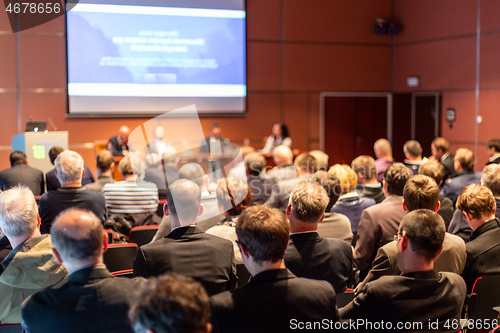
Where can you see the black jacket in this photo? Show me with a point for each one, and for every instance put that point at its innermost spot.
(25, 175)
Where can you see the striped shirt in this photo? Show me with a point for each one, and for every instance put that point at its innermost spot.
(130, 197)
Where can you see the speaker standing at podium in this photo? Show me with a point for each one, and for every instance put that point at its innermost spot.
(21, 173)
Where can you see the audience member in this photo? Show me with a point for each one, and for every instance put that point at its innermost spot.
(380, 222)
(239, 171)
(274, 299)
(368, 185)
(305, 166)
(118, 145)
(163, 172)
(464, 166)
(188, 250)
(171, 303)
(260, 187)
(420, 295)
(92, 300)
(233, 196)
(349, 203)
(494, 151)
(30, 267)
(383, 152)
(278, 137)
(71, 194)
(321, 159)
(20, 173)
(105, 168)
(334, 225)
(435, 170)
(130, 196)
(308, 255)
(413, 154)
(51, 176)
(420, 192)
(440, 149)
(491, 179)
(483, 249)
(284, 169)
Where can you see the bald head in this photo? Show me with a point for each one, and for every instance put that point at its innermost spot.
(77, 235)
(193, 172)
(382, 148)
(183, 201)
(283, 155)
(123, 133)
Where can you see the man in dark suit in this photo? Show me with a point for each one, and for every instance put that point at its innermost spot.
(420, 295)
(260, 187)
(464, 165)
(483, 249)
(51, 177)
(380, 222)
(305, 167)
(494, 151)
(20, 173)
(420, 192)
(92, 300)
(274, 300)
(118, 145)
(71, 194)
(214, 146)
(440, 148)
(308, 255)
(491, 179)
(186, 249)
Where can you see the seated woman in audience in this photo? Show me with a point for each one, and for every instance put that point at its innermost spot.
(131, 195)
(349, 203)
(233, 196)
(334, 225)
(279, 137)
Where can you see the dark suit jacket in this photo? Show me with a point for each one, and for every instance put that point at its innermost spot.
(115, 147)
(54, 202)
(25, 175)
(446, 209)
(261, 189)
(310, 256)
(454, 185)
(271, 302)
(483, 251)
(91, 301)
(191, 252)
(205, 144)
(495, 161)
(413, 297)
(281, 192)
(53, 183)
(162, 178)
(451, 259)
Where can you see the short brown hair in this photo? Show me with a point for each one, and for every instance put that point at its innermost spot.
(54, 152)
(306, 162)
(308, 201)
(466, 158)
(491, 178)
(331, 185)
(254, 163)
(413, 148)
(234, 195)
(348, 179)
(171, 303)
(104, 160)
(365, 165)
(395, 178)
(441, 143)
(433, 169)
(426, 230)
(130, 165)
(494, 144)
(476, 200)
(264, 232)
(421, 192)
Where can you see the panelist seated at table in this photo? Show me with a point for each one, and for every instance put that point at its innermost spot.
(278, 137)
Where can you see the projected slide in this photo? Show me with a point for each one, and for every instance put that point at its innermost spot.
(149, 59)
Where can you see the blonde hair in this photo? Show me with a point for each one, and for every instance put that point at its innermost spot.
(466, 158)
(346, 176)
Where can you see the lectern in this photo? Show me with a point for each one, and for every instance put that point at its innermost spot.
(36, 146)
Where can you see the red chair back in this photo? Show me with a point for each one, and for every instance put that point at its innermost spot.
(119, 257)
(143, 235)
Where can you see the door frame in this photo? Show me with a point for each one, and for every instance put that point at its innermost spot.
(414, 95)
(322, 96)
